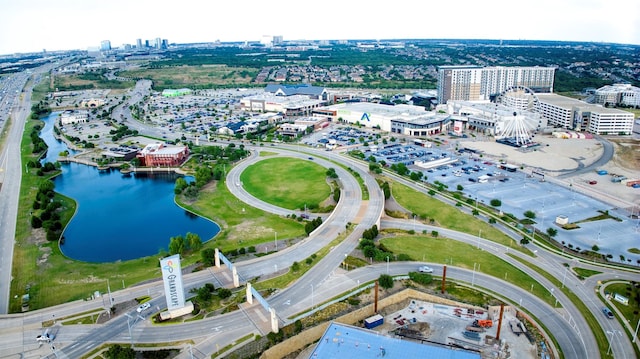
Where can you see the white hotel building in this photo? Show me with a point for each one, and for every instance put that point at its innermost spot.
(475, 83)
(565, 112)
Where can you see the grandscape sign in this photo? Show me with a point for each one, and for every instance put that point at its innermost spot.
(172, 277)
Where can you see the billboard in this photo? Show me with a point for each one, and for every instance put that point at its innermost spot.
(172, 277)
(457, 127)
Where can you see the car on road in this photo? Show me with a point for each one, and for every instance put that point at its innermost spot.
(425, 269)
(143, 307)
(607, 312)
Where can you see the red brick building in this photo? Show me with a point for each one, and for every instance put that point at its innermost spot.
(159, 155)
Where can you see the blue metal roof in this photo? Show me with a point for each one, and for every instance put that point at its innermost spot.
(290, 90)
(344, 341)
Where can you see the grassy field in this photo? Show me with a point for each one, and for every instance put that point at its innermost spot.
(631, 311)
(448, 216)
(287, 182)
(195, 76)
(240, 224)
(447, 251)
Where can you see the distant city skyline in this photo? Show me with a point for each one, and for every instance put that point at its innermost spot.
(34, 25)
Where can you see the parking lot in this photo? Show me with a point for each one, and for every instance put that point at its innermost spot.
(484, 180)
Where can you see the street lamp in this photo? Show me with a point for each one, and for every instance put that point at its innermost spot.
(275, 239)
(387, 264)
(312, 296)
(129, 326)
(612, 332)
(473, 277)
(479, 235)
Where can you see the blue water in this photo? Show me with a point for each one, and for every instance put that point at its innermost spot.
(121, 217)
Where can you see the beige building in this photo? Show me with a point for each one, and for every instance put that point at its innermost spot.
(71, 117)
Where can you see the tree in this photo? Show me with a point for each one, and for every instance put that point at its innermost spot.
(176, 245)
(495, 202)
(552, 232)
(224, 293)
(194, 241)
(524, 241)
(416, 176)
(386, 281)
(181, 184)
(119, 352)
(530, 214)
(204, 294)
(386, 190)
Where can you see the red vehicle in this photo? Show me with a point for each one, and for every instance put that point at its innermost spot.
(593, 182)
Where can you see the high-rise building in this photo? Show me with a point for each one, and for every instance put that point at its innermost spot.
(138, 43)
(158, 44)
(105, 45)
(475, 83)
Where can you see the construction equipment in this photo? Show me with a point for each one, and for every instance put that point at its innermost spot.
(483, 323)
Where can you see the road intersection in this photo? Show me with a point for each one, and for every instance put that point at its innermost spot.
(323, 282)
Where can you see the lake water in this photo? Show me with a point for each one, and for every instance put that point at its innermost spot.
(120, 217)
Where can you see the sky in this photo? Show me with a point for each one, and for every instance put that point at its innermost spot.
(34, 25)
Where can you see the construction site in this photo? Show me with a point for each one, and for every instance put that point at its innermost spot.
(472, 329)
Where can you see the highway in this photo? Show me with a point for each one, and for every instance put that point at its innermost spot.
(11, 176)
(321, 283)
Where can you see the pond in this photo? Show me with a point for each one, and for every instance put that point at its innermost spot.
(120, 217)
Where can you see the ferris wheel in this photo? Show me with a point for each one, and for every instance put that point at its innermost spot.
(524, 103)
(519, 98)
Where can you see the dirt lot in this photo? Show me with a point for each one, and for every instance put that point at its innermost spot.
(561, 156)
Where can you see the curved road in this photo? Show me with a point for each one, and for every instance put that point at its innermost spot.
(319, 284)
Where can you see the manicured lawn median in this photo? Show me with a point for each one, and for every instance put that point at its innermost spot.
(287, 182)
(447, 251)
(448, 216)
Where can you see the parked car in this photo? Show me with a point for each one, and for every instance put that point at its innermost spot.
(143, 307)
(607, 312)
(425, 269)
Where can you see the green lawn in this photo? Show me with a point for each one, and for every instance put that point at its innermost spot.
(287, 182)
(241, 225)
(448, 216)
(447, 251)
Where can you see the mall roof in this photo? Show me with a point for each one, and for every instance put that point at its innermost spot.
(289, 90)
(344, 341)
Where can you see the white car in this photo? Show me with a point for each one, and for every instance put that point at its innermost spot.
(425, 269)
(143, 307)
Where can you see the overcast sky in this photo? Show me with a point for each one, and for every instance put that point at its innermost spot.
(34, 25)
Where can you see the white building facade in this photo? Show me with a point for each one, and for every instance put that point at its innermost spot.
(618, 94)
(565, 112)
(475, 83)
